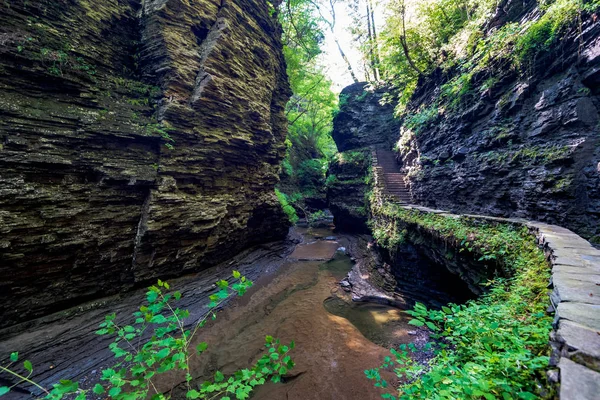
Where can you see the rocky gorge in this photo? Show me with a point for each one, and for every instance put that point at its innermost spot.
(142, 140)
(513, 144)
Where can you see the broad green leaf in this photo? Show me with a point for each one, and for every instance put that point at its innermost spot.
(27, 365)
(4, 390)
(98, 389)
(163, 353)
(416, 322)
(431, 326)
(14, 357)
(158, 319)
(201, 347)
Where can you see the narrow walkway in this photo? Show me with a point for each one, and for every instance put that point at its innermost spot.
(575, 296)
(392, 181)
(575, 301)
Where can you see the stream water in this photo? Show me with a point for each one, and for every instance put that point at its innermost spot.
(336, 340)
(297, 296)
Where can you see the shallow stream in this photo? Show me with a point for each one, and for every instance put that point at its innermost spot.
(336, 339)
(297, 296)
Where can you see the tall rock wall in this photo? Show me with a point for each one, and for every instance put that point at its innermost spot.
(365, 118)
(521, 143)
(365, 121)
(138, 139)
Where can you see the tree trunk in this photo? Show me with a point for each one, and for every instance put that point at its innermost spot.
(403, 41)
(377, 63)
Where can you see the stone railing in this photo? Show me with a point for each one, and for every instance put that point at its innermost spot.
(575, 302)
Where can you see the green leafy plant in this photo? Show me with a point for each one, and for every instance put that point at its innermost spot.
(420, 120)
(163, 131)
(159, 341)
(287, 207)
(493, 347)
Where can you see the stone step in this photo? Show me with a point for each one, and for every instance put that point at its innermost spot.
(396, 183)
(397, 187)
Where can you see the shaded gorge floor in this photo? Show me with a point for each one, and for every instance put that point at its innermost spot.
(297, 296)
(336, 339)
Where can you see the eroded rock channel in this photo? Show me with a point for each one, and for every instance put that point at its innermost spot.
(301, 293)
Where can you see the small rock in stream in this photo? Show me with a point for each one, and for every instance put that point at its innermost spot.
(345, 283)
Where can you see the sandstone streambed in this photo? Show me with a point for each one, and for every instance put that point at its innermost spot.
(298, 298)
(336, 339)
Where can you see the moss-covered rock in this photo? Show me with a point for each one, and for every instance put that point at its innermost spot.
(139, 140)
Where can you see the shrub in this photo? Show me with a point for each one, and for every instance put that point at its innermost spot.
(311, 173)
(540, 35)
(492, 347)
(159, 341)
(287, 207)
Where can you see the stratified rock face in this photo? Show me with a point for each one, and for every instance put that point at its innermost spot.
(520, 148)
(347, 189)
(364, 119)
(93, 94)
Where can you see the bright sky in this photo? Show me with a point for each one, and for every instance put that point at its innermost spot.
(338, 71)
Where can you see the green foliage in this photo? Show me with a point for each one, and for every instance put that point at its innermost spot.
(163, 132)
(420, 120)
(355, 157)
(58, 61)
(331, 180)
(160, 341)
(431, 30)
(310, 173)
(452, 35)
(316, 216)
(287, 207)
(535, 155)
(492, 347)
(312, 106)
(454, 92)
(543, 33)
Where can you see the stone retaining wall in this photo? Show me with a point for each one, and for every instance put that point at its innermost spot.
(575, 302)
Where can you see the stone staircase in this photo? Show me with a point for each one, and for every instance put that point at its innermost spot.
(389, 177)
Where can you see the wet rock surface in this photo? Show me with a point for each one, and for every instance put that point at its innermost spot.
(334, 337)
(292, 299)
(92, 199)
(64, 345)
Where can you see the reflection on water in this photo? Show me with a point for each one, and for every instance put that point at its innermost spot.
(338, 266)
(383, 325)
(331, 350)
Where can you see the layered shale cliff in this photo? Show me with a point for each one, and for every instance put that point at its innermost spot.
(365, 121)
(138, 139)
(513, 141)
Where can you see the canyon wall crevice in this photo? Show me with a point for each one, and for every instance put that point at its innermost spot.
(138, 140)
